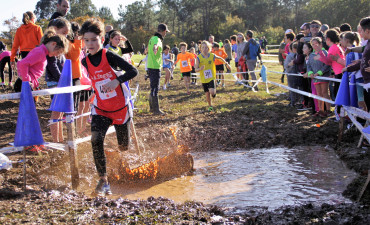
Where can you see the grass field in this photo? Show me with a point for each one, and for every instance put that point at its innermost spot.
(227, 99)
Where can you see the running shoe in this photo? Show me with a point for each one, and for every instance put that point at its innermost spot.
(210, 109)
(32, 149)
(164, 87)
(103, 188)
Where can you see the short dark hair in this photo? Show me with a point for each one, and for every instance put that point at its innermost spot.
(93, 25)
(250, 33)
(60, 1)
(307, 26)
(316, 22)
(233, 37)
(166, 47)
(365, 23)
(183, 44)
(59, 23)
(333, 35)
(345, 27)
(290, 36)
(337, 29)
(293, 45)
(216, 45)
(299, 36)
(162, 27)
(317, 39)
(308, 44)
(75, 26)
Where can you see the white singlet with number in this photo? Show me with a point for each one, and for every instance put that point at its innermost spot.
(104, 95)
(207, 74)
(184, 63)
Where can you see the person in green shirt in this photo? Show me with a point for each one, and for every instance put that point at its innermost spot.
(154, 65)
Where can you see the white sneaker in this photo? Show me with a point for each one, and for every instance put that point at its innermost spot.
(164, 87)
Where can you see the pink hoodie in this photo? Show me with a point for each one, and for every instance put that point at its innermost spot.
(4, 54)
(333, 50)
(32, 67)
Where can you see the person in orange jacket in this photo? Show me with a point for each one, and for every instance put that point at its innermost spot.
(27, 37)
(80, 97)
(219, 64)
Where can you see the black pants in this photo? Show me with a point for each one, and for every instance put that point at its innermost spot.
(3, 62)
(367, 99)
(336, 88)
(154, 76)
(99, 128)
(18, 82)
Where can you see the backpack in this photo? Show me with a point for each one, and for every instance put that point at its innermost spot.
(253, 49)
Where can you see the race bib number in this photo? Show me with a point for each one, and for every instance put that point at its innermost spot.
(207, 74)
(104, 95)
(184, 63)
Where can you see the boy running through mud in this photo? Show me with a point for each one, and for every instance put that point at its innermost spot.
(110, 106)
(205, 65)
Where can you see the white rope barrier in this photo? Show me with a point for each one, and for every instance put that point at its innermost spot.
(54, 121)
(353, 111)
(51, 91)
(300, 75)
(302, 92)
(269, 55)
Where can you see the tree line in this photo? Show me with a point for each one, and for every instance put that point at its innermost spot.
(193, 20)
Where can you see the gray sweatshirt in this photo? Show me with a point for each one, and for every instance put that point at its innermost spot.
(314, 66)
(240, 49)
(289, 69)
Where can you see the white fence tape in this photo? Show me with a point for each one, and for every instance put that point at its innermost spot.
(302, 92)
(51, 91)
(300, 75)
(354, 111)
(269, 55)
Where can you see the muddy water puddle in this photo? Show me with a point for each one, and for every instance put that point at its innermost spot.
(260, 177)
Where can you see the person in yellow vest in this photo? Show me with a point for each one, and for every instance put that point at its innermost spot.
(185, 64)
(205, 65)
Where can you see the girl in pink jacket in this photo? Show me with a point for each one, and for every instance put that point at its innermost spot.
(335, 57)
(32, 67)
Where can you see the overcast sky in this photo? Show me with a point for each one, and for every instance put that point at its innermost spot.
(10, 8)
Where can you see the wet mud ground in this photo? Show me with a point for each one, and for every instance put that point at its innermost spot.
(242, 120)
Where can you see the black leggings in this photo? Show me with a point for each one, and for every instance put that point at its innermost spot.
(99, 128)
(18, 82)
(3, 62)
(336, 89)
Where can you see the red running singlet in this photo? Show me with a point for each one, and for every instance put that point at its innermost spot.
(109, 104)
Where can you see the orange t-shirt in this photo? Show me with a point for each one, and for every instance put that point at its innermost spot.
(193, 60)
(185, 63)
(221, 53)
(74, 56)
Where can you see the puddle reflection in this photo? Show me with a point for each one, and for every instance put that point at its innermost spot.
(261, 177)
